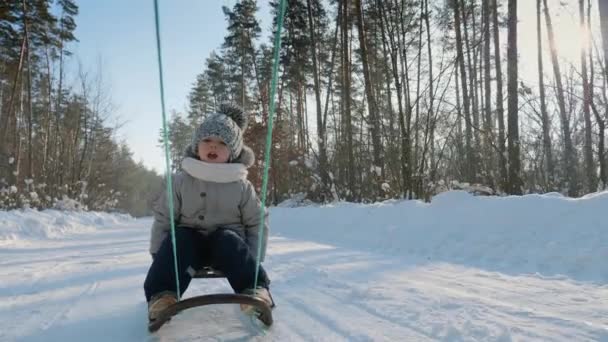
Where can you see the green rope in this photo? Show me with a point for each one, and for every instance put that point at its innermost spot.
(275, 69)
(166, 139)
(273, 87)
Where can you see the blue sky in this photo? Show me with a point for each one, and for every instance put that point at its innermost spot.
(122, 34)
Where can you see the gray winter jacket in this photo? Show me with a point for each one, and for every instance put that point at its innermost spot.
(209, 196)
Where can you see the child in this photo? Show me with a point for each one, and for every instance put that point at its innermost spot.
(217, 214)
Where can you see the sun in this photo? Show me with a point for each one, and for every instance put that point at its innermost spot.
(569, 37)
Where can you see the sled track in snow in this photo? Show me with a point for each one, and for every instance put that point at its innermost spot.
(65, 310)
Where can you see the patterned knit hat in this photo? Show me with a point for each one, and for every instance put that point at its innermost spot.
(228, 124)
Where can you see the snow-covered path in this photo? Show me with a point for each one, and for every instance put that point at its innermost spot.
(89, 287)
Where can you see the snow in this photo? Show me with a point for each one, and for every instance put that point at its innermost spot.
(29, 227)
(461, 268)
(532, 233)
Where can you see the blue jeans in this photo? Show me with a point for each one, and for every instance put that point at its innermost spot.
(224, 250)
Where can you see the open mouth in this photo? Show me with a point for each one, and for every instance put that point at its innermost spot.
(212, 156)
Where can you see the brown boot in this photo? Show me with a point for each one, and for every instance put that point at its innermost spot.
(160, 302)
(261, 293)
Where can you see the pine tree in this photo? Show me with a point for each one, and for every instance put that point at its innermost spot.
(239, 50)
(200, 98)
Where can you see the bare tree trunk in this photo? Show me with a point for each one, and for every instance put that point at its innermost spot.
(502, 158)
(305, 120)
(331, 73)
(489, 131)
(601, 146)
(58, 145)
(388, 56)
(402, 48)
(573, 186)
(320, 124)
(431, 114)
(346, 98)
(47, 131)
(2, 91)
(371, 99)
(95, 108)
(10, 111)
(515, 185)
(17, 141)
(591, 181)
(280, 107)
(470, 174)
(386, 53)
(85, 128)
(462, 165)
(2, 103)
(476, 77)
(415, 158)
(81, 115)
(543, 103)
(404, 145)
(472, 89)
(603, 9)
(301, 126)
(30, 125)
(290, 121)
(243, 96)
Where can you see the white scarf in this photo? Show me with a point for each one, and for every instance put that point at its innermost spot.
(214, 172)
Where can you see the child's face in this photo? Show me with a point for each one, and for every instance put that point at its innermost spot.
(213, 150)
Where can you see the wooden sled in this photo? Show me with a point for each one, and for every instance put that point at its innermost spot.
(263, 310)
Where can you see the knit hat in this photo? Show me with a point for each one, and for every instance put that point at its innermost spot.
(228, 124)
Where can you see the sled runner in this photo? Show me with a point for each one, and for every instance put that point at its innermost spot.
(262, 309)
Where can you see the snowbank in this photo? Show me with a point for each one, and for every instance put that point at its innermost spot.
(546, 234)
(29, 224)
(550, 235)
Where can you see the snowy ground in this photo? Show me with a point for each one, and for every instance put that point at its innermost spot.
(462, 268)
